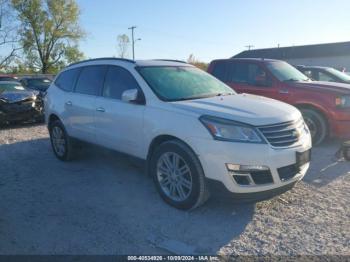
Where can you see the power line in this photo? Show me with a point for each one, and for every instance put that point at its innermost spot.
(249, 46)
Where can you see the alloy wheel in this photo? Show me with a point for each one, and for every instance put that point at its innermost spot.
(58, 141)
(174, 176)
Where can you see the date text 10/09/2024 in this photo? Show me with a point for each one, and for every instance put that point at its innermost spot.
(173, 258)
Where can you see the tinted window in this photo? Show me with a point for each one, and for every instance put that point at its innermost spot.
(66, 79)
(245, 73)
(117, 81)
(91, 79)
(219, 71)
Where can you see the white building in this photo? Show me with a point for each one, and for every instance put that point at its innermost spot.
(335, 55)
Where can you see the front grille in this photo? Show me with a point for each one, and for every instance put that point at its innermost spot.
(283, 134)
(288, 172)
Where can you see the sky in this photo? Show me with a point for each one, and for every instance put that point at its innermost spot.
(210, 29)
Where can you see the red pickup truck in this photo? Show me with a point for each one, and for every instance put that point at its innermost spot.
(325, 106)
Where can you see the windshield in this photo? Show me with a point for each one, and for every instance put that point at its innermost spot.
(285, 72)
(40, 83)
(10, 87)
(174, 83)
(342, 76)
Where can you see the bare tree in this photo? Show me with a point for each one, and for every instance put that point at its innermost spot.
(194, 61)
(8, 34)
(123, 44)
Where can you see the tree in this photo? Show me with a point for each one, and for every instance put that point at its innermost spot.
(194, 61)
(49, 32)
(8, 36)
(123, 44)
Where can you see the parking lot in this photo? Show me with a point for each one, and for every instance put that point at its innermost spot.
(104, 203)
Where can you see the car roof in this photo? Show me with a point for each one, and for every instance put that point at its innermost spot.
(118, 61)
(35, 77)
(161, 62)
(12, 76)
(315, 67)
(249, 59)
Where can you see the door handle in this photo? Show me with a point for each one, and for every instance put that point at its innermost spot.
(69, 103)
(284, 91)
(100, 109)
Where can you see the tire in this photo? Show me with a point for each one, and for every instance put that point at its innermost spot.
(346, 151)
(192, 181)
(317, 125)
(66, 151)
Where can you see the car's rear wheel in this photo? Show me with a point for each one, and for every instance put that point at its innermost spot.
(316, 124)
(178, 175)
(61, 143)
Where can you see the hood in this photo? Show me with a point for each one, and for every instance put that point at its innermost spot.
(340, 88)
(16, 96)
(245, 108)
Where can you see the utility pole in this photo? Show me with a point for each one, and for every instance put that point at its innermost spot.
(133, 41)
(249, 46)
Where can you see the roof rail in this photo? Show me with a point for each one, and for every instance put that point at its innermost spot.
(103, 58)
(171, 60)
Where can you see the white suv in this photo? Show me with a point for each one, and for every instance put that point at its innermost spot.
(196, 134)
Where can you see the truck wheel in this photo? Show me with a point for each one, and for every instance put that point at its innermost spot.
(346, 151)
(316, 124)
(62, 144)
(178, 175)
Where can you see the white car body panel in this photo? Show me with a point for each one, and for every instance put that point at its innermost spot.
(131, 128)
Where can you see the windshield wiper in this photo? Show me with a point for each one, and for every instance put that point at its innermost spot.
(201, 96)
(291, 80)
(223, 94)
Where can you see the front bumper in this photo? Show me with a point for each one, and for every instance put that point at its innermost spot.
(214, 155)
(341, 129)
(17, 113)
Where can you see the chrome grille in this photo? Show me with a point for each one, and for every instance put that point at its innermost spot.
(283, 134)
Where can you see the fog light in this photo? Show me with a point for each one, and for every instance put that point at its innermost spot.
(245, 168)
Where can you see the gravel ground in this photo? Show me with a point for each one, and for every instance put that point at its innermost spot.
(103, 203)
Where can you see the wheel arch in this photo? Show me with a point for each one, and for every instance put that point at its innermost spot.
(317, 109)
(53, 117)
(164, 138)
(158, 140)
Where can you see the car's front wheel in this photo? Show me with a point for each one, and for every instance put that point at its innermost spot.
(316, 124)
(178, 175)
(61, 143)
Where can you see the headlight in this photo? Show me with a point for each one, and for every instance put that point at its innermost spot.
(228, 130)
(342, 101)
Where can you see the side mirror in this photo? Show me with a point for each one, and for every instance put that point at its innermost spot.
(132, 96)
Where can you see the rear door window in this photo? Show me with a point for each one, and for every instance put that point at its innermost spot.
(91, 80)
(66, 80)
